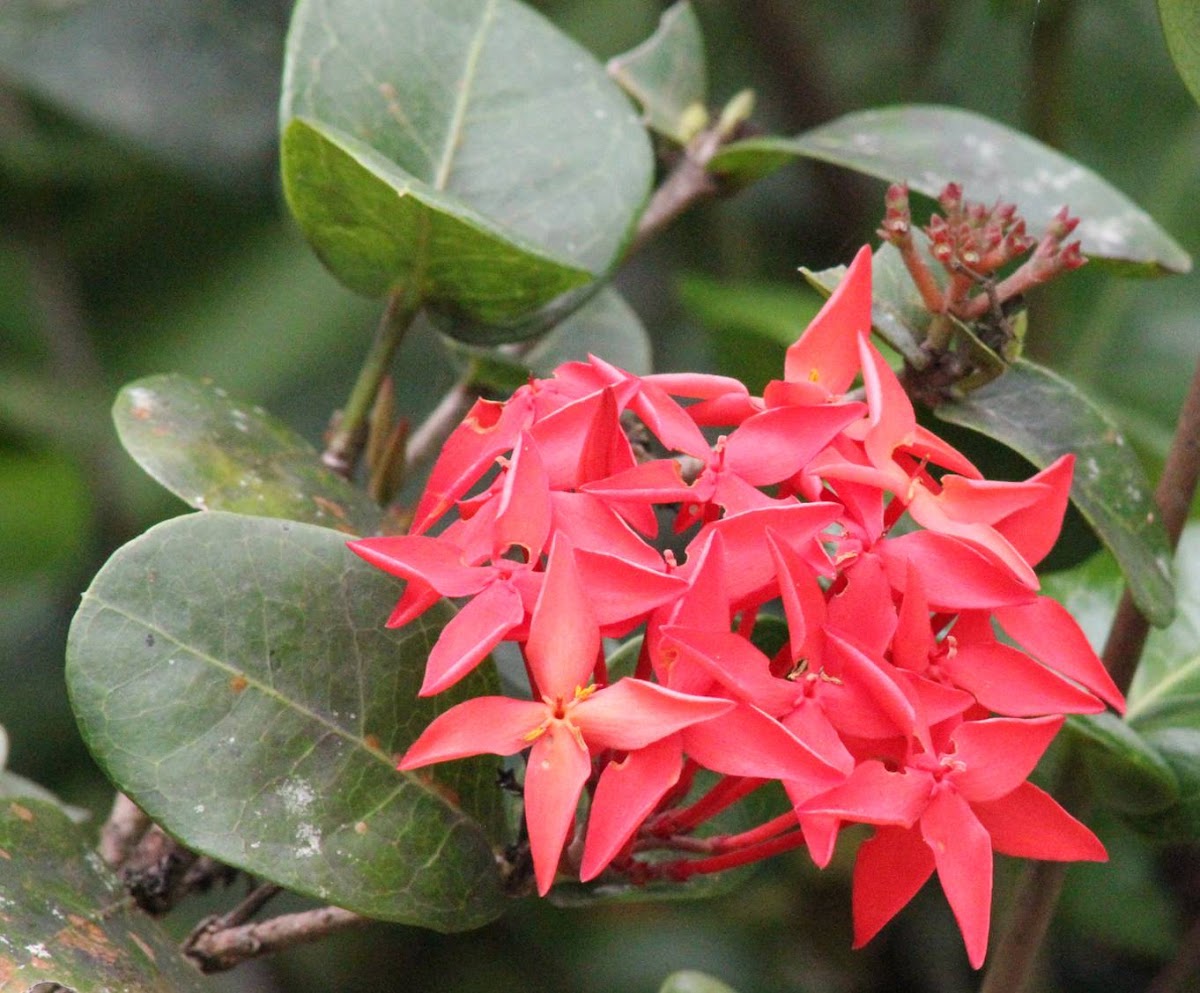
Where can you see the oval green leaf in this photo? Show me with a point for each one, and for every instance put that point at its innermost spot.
(65, 919)
(1125, 771)
(232, 674)
(1179, 823)
(1181, 27)
(1041, 416)
(215, 453)
(930, 146)
(666, 74)
(420, 151)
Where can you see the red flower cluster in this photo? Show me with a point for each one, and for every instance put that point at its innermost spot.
(894, 703)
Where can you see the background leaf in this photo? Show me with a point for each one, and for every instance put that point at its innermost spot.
(428, 98)
(690, 981)
(65, 920)
(219, 127)
(1181, 27)
(233, 675)
(666, 74)
(930, 146)
(1042, 416)
(217, 454)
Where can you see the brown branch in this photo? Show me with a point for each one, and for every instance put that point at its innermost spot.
(126, 825)
(214, 948)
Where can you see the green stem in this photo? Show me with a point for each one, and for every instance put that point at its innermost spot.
(348, 434)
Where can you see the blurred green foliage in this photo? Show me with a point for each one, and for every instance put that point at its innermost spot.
(142, 232)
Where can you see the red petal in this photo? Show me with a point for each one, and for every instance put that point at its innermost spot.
(488, 430)
(523, 512)
(632, 713)
(621, 591)
(873, 795)
(737, 665)
(826, 354)
(820, 835)
(435, 562)
(558, 767)
(890, 868)
(956, 576)
(625, 796)
(778, 443)
(1029, 824)
(803, 601)
(473, 632)
(488, 725)
(1046, 630)
(999, 754)
(914, 638)
(746, 742)
(594, 524)
(1009, 682)
(417, 598)
(1034, 530)
(563, 636)
(962, 852)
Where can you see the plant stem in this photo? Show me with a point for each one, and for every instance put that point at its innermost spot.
(348, 434)
(216, 948)
(1039, 885)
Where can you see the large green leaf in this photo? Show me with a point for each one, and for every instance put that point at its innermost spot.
(1042, 416)
(930, 146)
(65, 919)
(232, 674)
(463, 149)
(1181, 27)
(666, 74)
(215, 453)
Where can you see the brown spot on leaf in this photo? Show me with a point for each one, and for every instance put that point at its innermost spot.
(360, 827)
(4, 855)
(238, 683)
(88, 938)
(23, 813)
(372, 741)
(7, 968)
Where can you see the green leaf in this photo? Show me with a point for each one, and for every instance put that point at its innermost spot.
(1180, 747)
(666, 74)
(233, 675)
(65, 921)
(606, 326)
(1042, 416)
(1166, 689)
(379, 229)
(1181, 27)
(930, 146)
(420, 152)
(215, 453)
(1126, 773)
(121, 65)
(691, 981)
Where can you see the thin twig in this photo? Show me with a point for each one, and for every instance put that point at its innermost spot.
(126, 824)
(217, 950)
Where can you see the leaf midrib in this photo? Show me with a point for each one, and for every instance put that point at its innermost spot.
(470, 69)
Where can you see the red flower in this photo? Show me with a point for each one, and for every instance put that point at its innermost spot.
(571, 722)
